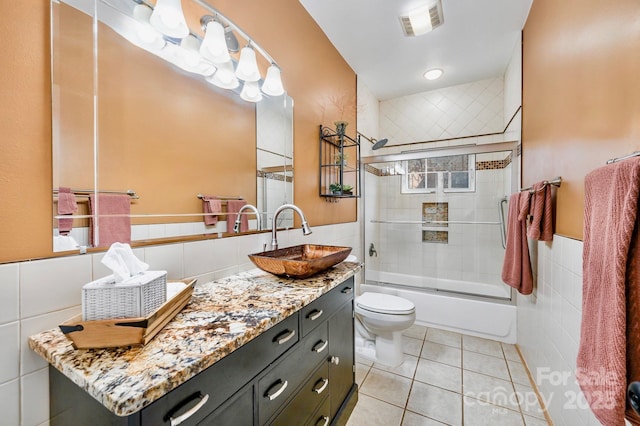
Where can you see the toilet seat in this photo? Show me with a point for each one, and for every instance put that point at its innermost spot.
(385, 304)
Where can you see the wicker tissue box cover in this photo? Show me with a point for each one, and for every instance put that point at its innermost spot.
(138, 296)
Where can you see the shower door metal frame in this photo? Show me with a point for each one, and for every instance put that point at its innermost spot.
(442, 152)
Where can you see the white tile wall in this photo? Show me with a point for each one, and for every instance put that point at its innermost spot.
(513, 82)
(10, 402)
(10, 288)
(41, 294)
(549, 330)
(452, 112)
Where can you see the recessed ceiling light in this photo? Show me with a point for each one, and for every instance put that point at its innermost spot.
(433, 74)
(423, 19)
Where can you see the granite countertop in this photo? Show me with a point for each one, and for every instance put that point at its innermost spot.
(221, 316)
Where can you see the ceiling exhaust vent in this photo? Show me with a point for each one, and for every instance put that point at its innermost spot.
(422, 20)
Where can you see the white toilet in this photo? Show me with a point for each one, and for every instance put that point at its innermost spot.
(380, 320)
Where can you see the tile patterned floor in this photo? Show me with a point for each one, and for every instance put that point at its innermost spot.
(447, 378)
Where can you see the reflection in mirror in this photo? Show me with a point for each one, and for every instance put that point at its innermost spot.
(274, 144)
(126, 119)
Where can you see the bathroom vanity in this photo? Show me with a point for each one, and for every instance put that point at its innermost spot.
(252, 349)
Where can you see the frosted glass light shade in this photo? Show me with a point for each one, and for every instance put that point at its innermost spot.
(187, 57)
(214, 44)
(167, 17)
(272, 84)
(251, 92)
(247, 68)
(146, 34)
(224, 77)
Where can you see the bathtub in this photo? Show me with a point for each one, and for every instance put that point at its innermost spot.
(482, 318)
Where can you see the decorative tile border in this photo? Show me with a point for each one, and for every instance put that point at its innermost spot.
(274, 176)
(493, 165)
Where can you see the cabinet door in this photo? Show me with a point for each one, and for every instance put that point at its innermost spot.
(341, 352)
(238, 411)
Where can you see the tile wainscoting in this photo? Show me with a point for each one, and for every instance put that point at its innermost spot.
(38, 295)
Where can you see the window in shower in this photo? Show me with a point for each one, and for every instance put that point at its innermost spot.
(452, 173)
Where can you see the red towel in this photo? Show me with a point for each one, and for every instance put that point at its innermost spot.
(541, 226)
(113, 223)
(211, 204)
(609, 352)
(66, 206)
(234, 206)
(516, 270)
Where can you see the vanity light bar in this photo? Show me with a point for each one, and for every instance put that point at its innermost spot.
(173, 48)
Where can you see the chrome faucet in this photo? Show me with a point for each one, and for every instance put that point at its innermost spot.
(306, 230)
(236, 226)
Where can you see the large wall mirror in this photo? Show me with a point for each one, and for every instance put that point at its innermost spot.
(126, 119)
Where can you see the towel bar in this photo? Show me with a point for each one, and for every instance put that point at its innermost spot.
(237, 197)
(556, 181)
(615, 160)
(86, 192)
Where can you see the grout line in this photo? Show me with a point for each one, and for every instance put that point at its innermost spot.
(462, 377)
(535, 387)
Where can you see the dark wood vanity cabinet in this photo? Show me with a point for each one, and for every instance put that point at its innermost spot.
(300, 371)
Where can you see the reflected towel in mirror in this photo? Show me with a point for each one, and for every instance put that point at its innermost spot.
(113, 219)
(66, 206)
(233, 206)
(211, 206)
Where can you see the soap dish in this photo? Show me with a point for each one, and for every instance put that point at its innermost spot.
(112, 333)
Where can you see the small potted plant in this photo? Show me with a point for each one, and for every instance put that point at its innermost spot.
(341, 158)
(338, 189)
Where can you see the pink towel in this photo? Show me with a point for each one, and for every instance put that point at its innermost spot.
(609, 352)
(541, 226)
(234, 206)
(66, 206)
(516, 270)
(114, 221)
(211, 204)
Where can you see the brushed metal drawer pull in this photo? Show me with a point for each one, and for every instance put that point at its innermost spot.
(181, 418)
(281, 387)
(334, 360)
(319, 389)
(320, 346)
(284, 337)
(315, 314)
(347, 290)
(323, 421)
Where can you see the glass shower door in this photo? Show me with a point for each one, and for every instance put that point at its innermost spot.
(434, 220)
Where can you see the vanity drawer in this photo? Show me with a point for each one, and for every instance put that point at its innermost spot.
(320, 309)
(322, 417)
(224, 378)
(309, 397)
(277, 385)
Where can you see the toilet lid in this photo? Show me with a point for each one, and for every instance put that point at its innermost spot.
(385, 303)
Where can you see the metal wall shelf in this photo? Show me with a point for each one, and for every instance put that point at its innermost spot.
(339, 165)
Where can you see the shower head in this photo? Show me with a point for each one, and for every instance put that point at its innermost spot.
(379, 144)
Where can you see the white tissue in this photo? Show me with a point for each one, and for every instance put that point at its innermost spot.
(351, 258)
(122, 262)
(64, 243)
(174, 287)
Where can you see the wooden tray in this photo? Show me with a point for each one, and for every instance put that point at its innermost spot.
(114, 333)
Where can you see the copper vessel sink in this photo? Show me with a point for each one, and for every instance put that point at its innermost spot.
(300, 261)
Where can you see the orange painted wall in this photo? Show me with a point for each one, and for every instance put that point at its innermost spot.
(312, 72)
(581, 95)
